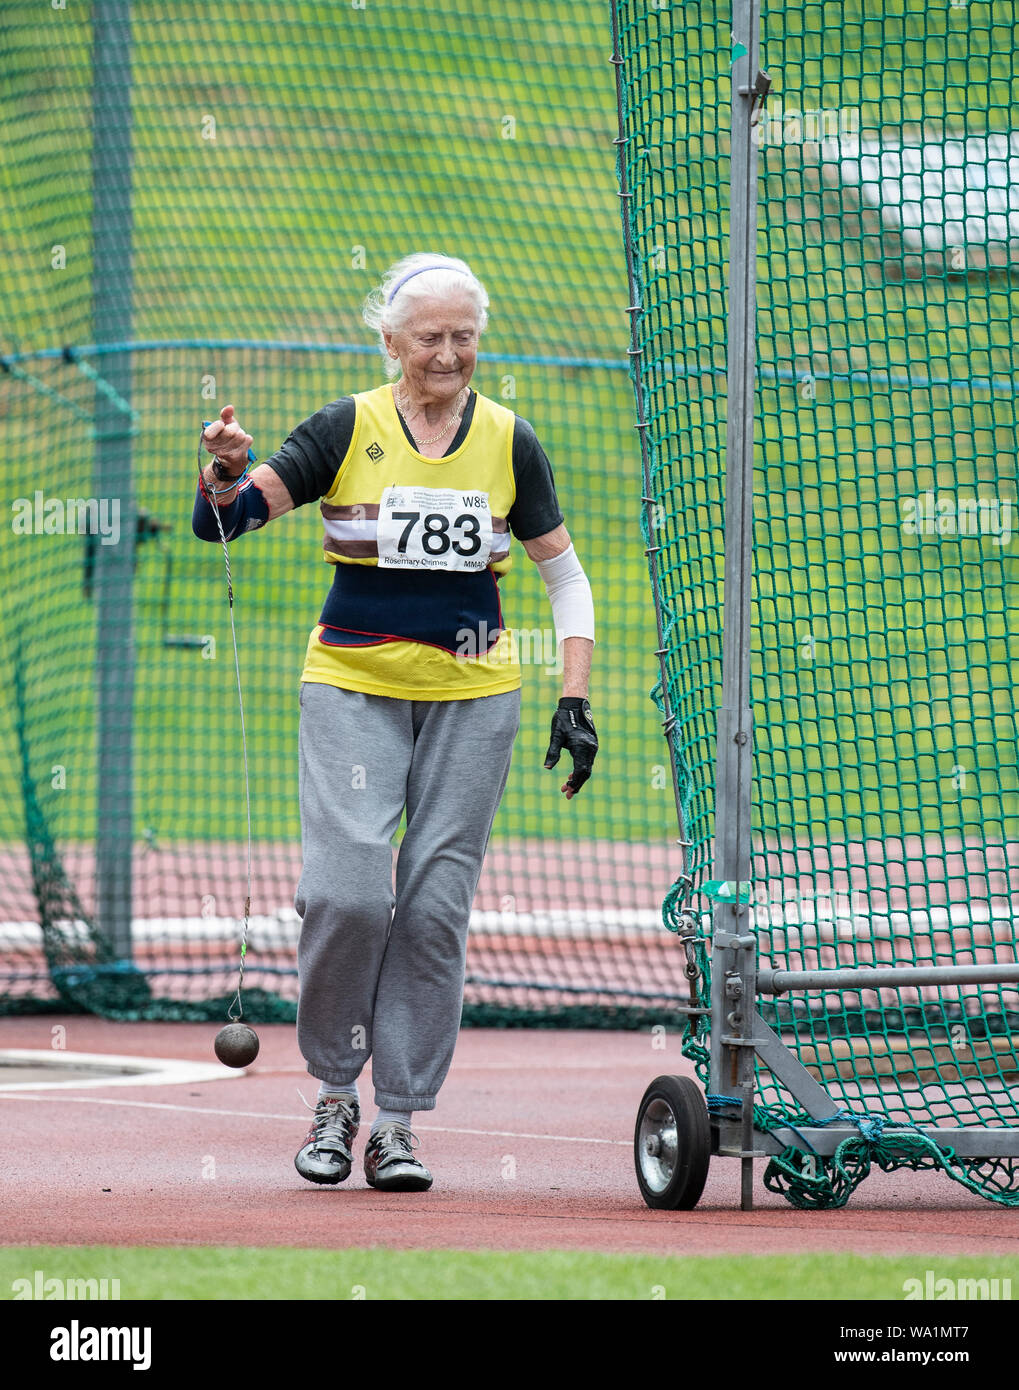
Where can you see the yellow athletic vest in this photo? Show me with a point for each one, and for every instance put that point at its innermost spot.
(380, 456)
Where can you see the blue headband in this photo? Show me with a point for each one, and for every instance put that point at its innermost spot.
(400, 283)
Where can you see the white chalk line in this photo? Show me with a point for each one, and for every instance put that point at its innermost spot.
(198, 1110)
(123, 1070)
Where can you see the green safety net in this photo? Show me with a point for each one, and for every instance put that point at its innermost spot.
(886, 578)
(281, 157)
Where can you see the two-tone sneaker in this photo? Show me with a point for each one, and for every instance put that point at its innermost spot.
(326, 1156)
(389, 1162)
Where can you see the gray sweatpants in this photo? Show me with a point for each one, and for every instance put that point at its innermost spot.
(374, 981)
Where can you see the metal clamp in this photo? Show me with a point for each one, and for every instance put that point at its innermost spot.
(760, 89)
(735, 943)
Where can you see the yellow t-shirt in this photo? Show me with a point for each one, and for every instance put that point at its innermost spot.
(379, 457)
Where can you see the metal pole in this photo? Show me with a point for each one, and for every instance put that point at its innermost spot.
(885, 976)
(113, 575)
(734, 947)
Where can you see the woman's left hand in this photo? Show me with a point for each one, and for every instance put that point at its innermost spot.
(573, 729)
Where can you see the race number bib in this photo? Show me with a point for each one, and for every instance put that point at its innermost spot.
(425, 528)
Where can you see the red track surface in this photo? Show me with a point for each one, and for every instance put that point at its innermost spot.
(561, 1106)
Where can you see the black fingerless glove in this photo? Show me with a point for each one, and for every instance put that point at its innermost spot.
(573, 729)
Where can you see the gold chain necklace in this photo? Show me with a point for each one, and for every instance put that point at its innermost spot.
(454, 419)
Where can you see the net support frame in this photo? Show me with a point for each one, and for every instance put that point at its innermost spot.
(112, 469)
(834, 1125)
(742, 1043)
(734, 945)
(770, 981)
(740, 1039)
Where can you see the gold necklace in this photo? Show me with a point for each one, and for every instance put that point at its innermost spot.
(454, 419)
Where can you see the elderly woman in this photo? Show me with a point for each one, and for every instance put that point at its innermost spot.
(410, 694)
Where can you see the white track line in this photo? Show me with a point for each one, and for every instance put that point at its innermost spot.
(143, 1071)
(271, 1115)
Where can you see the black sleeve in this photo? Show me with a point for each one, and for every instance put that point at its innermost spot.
(309, 458)
(536, 509)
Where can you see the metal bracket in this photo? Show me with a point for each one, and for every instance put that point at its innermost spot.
(760, 89)
(735, 943)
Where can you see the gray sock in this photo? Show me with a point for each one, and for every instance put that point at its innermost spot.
(329, 1090)
(390, 1117)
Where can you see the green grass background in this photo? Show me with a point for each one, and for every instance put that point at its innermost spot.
(345, 138)
(382, 130)
(252, 1274)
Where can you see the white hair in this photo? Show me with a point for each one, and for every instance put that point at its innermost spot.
(424, 275)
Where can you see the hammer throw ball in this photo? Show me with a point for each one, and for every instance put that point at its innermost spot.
(236, 1045)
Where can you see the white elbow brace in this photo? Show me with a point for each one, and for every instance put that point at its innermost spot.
(569, 594)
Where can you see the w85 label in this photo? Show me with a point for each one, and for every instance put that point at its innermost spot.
(434, 528)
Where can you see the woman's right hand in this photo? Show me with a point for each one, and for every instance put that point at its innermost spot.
(227, 440)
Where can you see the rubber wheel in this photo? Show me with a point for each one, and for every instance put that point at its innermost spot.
(672, 1144)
